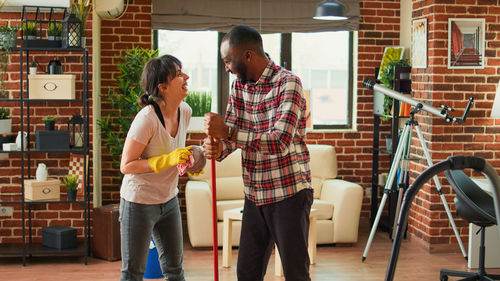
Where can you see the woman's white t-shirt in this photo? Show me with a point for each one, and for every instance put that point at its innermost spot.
(154, 188)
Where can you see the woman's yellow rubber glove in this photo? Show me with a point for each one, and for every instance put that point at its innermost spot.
(174, 158)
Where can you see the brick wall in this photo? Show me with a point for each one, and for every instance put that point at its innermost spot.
(379, 27)
(439, 85)
(132, 29)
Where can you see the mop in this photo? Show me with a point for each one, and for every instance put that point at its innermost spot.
(214, 223)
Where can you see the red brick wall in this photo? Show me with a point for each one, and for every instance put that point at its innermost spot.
(439, 85)
(132, 29)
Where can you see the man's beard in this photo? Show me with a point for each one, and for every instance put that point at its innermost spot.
(242, 71)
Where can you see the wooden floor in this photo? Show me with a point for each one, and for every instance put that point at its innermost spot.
(333, 263)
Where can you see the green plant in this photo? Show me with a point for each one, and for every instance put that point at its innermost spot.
(81, 9)
(4, 113)
(29, 28)
(387, 78)
(115, 125)
(33, 64)
(200, 102)
(54, 29)
(70, 182)
(8, 36)
(49, 118)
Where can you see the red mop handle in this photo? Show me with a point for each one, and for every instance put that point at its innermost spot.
(214, 224)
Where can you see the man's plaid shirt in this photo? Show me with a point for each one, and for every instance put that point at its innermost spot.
(270, 116)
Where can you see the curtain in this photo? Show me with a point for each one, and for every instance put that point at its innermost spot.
(267, 16)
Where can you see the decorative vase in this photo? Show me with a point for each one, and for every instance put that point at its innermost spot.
(5, 126)
(24, 141)
(32, 70)
(49, 125)
(71, 195)
(41, 172)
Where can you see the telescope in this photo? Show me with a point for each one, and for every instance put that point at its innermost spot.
(402, 155)
(442, 112)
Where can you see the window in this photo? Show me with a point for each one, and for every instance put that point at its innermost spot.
(197, 50)
(322, 60)
(326, 77)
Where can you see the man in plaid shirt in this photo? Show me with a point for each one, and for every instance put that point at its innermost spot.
(266, 119)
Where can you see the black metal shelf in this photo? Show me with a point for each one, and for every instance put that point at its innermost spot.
(26, 248)
(10, 249)
(53, 49)
(42, 100)
(75, 151)
(387, 221)
(39, 249)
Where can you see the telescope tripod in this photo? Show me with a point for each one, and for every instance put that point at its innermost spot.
(400, 160)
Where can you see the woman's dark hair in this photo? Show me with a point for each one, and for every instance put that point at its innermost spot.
(156, 71)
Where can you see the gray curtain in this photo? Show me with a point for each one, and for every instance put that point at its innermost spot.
(268, 16)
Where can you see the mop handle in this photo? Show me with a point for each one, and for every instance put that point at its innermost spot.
(214, 223)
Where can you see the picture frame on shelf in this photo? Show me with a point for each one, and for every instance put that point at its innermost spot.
(76, 167)
(392, 53)
(419, 43)
(466, 41)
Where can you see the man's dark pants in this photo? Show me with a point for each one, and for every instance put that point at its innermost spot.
(286, 223)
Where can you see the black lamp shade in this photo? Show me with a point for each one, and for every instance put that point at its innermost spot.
(71, 32)
(330, 10)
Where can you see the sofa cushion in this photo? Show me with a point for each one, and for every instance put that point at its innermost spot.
(323, 161)
(229, 167)
(224, 205)
(324, 209)
(230, 188)
(316, 183)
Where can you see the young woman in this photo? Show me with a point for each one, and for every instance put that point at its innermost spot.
(154, 146)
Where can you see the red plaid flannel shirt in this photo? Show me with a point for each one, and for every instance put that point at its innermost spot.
(270, 116)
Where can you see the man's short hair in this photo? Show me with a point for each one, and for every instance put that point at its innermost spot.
(245, 37)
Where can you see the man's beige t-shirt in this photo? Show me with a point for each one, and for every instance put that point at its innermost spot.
(154, 188)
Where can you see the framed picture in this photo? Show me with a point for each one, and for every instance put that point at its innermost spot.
(390, 54)
(419, 43)
(76, 167)
(466, 43)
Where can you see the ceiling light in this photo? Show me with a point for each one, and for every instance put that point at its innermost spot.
(330, 10)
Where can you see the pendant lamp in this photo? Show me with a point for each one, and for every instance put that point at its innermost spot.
(330, 10)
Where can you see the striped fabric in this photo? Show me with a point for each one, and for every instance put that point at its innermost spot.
(270, 117)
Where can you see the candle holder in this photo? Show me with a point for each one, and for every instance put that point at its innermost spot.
(76, 127)
(71, 32)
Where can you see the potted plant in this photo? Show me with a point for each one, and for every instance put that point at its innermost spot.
(70, 182)
(81, 9)
(5, 122)
(50, 121)
(8, 36)
(29, 30)
(33, 67)
(114, 127)
(387, 78)
(201, 103)
(54, 31)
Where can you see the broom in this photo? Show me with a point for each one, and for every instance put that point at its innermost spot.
(214, 223)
